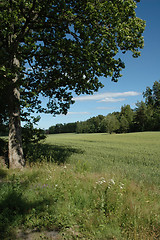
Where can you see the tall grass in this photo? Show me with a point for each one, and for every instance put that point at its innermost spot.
(104, 187)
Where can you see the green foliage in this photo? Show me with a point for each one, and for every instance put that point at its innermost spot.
(141, 116)
(152, 95)
(66, 46)
(3, 130)
(112, 123)
(124, 125)
(54, 48)
(152, 101)
(32, 139)
(32, 135)
(3, 147)
(62, 128)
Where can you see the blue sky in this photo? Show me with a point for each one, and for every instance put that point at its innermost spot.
(137, 75)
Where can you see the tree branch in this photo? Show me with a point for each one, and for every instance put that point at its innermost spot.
(25, 28)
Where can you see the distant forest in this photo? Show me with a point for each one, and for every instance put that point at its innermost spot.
(145, 117)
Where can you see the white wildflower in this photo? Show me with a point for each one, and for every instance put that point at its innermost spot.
(101, 181)
(121, 185)
(112, 181)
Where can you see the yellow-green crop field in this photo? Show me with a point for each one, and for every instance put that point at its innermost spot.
(134, 155)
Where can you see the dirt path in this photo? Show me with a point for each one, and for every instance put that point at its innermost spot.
(34, 235)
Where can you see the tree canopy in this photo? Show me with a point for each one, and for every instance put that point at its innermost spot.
(53, 48)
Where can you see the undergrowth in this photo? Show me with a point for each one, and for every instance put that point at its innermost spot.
(68, 196)
(77, 205)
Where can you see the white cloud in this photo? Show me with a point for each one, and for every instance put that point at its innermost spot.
(78, 113)
(110, 99)
(107, 95)
(105, 108)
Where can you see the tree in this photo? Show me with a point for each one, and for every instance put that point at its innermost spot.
(152, 95)
(79, 128)
(93, 124)
(127, 112)
(110, 123)
(123, 124)
(152, 101)
(126, 118)
(141, 116)
(103, 125)
(54, 47)
(51, 130)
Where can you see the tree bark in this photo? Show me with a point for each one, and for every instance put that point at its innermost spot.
(15, 150)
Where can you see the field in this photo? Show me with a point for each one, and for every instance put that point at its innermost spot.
(135, 156)
(85, 186)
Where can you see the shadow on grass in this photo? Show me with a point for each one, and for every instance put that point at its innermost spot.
(49, 153)
(14, 208)
(35, 153)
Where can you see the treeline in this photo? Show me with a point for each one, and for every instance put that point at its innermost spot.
(145, 117)
(63, 128)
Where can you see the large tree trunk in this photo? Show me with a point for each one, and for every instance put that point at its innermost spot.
(15, 150)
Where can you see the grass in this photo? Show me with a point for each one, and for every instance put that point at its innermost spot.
(86, 186)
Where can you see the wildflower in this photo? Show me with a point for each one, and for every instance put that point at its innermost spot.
(121, 185)
(101, 181)
(112, 181)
